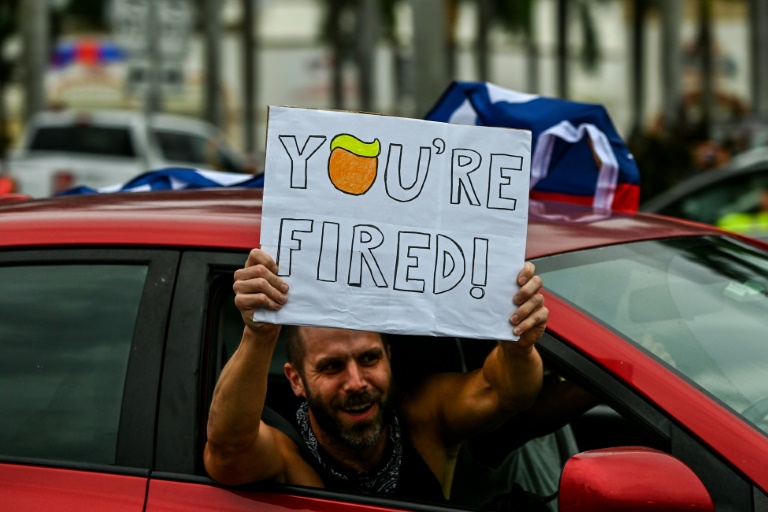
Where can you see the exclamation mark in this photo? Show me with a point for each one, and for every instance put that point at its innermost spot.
(479, 268)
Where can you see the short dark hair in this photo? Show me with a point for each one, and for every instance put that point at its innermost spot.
(294, 347)
(296, 351)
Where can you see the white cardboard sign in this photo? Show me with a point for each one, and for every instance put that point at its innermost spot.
(395, 225)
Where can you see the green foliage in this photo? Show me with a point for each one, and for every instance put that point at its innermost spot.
(515, 16)
(388, 18)
(90, 13)
(8, 27)
(590, 53)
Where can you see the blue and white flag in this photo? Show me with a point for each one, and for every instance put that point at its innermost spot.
(176, 178)
(578, 156)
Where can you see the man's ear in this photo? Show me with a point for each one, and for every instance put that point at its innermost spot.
(293, 376)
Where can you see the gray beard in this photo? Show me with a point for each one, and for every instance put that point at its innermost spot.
(361, 436)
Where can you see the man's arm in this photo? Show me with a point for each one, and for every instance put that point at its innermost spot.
(240, 447)
(559, 403)
(455, 406)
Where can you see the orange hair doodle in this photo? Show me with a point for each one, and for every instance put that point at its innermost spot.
(353, 163)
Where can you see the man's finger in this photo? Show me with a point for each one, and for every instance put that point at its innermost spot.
(526, 273)
(253, 301)
(537, 320)
(526, 308)
(528, 290)
(261, 285)
(261, 271)
(260, 257)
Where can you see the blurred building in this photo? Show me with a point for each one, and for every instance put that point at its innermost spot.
(295, 65)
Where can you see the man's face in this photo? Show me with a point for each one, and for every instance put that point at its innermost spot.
(347, 383)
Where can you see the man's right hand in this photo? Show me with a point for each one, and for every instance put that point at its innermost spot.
(257, 286)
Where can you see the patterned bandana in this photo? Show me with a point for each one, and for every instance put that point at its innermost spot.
(384, 481)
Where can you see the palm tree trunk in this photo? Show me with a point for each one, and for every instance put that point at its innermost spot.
(706, 49)
(367, 36)
(337, 54)
(429, 53)
(482, 57)
(451, 38)
(34, 23)
(532, 62)
(562, 49)
(671, 62)
(250, 84)
(637, 82)
(758, 24)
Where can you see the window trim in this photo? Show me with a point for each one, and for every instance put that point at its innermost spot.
(181, 408)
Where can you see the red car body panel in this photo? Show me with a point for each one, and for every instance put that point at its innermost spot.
(170, 496)
(232, 218)
(31, 489)
(229, 219)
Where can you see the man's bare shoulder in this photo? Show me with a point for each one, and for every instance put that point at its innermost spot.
(297, 471)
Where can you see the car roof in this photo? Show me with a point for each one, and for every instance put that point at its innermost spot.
(231, 218)
(114, 117)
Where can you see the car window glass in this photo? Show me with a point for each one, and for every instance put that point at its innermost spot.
(184, 147)
(228, 162)
(697, 304)
(98, 140)
(65, 338)
(740, 194)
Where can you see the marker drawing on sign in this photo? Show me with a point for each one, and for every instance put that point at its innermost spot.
(500, 180)
(479, 268)
(288, 242)
(464, 162)
(409, 242)
(439, 145)
(393, 178)
(449, 265)
(353, 163)
(365, 238)
(299, 157)
(327, 268)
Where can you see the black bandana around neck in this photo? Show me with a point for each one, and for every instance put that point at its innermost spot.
(383, 481)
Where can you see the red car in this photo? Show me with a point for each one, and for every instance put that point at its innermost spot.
(116, 317)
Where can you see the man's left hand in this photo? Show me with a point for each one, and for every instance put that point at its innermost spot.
(530, 318)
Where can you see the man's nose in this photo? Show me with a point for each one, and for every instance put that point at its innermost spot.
(356, 380)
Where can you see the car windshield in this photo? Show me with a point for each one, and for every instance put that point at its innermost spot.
(699, 304)
(83, 138)
(196, 149)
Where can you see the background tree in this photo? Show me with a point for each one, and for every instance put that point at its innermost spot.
(8, 27)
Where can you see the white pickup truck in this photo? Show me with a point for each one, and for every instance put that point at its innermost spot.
(61, 150)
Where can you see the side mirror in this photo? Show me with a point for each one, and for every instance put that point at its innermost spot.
(630, 479)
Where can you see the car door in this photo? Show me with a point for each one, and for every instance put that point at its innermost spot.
(81, 336)
(205, 329)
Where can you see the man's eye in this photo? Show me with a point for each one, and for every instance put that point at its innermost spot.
(330, 368)
(369, 359)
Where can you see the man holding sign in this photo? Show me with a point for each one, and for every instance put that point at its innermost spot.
(346, 378)
(379, 225)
